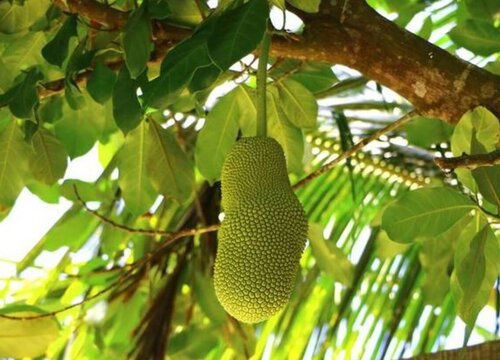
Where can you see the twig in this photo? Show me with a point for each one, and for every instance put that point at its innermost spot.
(468, 161)
(356, 148)
(173, 237)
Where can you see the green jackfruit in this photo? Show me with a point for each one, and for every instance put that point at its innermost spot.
(263, 233)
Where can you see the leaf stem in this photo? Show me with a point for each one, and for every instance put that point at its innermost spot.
(261, 85)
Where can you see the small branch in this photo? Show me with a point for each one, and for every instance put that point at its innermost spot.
(69, 307)
(356, 148)
(147, 232)
(468, 161)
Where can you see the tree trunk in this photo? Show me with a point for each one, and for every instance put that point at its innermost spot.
(486, 351)
(351, 33)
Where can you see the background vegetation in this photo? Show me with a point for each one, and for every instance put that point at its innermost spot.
(399, 245)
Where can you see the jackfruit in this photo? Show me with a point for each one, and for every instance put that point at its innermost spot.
(263, 234)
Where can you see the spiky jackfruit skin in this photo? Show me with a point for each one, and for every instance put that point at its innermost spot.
(263, 233)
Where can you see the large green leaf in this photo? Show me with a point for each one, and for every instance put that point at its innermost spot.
(485, 9)
(78, 130)
(479, 123)
(298, 103)
(477, 261)
(218, 135)
(48, 164)
(101, 83)
(289, 136)
(15, 18)
(316, 77)
(435, 255)
(135, 184)
(137, 41)
(178, 68)
(424, 212)
(26, 338)
(56, 49)
(330, 258)
(248, 117)
(479, 36)
(205, 295)
(477, 126)
(25, 95)
(237, 32)
(127, 110)
(14, 154)
(21, 55)
(488, 182)
(170, 170)
(424, 131)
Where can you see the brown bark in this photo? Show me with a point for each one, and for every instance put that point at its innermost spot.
(486, 351)
(353, 34)
(469, 161)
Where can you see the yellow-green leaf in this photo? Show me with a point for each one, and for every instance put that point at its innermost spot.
(26, 338)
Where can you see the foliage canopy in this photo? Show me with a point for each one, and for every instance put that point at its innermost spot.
(162, 89)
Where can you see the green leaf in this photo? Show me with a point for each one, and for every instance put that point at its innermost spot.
(127, 110)
(137, 41)
(479, 123)
(485, 9)
(310, 6)
(248, 114)
(14, 154)
(316, 77)
(218, 136)
(477, 260)
(178, 68)
(22, 54)
(475, 126)
(50, 109)
(101, 83)
(237, 32)
(56, 49)
(25, 96)
(186, 12)
(78, 130)
(49, 194)
(385, 248)
(330, 259)
(89, 191)
(48, 164)
(425, 31)
(289, 136)
(478, 36)
(26, 338)
(15, 18)
(158, 9)
(488, 182)
(170, 170)
(436, 255)
(424, 131)
(298, 104)
(73, 229)
(424, 213)
(205, 295)
(135, 184)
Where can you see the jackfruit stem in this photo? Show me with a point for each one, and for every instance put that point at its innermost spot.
(261, 85)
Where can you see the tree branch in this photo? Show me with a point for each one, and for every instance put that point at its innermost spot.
(358, 146)
(437, 83)
(469, 161)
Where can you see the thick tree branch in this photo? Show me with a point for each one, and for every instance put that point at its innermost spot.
(353, 34)
(468, 161)
(486, 351)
